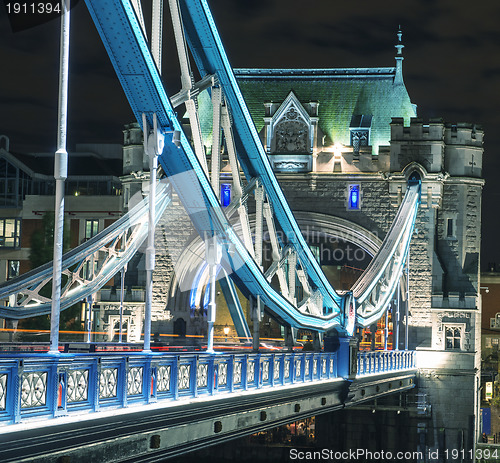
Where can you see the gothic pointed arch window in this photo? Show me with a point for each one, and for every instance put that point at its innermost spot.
(290, 132)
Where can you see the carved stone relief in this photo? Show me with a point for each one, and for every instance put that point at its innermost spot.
(291, 133)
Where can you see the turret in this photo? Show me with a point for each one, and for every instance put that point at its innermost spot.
(398, 78)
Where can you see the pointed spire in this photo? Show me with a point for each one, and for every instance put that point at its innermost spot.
(398, 78)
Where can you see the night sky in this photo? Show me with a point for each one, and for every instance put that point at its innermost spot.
(451, 67)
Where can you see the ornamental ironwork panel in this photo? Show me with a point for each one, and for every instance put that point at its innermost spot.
(77, 389)
(265, 371)
(202, 375)
(184, 376)
(237, 373)
(163, 378)
(286, 372)
(331, 366)
(250, 372)
(298, 365)
(315, 367)
(306, 368)
(222, 374)
(108, 382)
(33, 389)
(3, 390)
(134, 380)
(276, 369)
(323, 366)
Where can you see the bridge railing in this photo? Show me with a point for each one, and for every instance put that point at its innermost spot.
(44, 386)
(41, 386)
(385, 361)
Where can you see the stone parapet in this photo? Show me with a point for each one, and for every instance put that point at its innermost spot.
(454, 301)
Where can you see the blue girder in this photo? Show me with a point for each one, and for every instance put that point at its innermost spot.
(210, 57)
(129, 52)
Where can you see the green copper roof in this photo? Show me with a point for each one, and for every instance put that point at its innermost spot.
(341, 94)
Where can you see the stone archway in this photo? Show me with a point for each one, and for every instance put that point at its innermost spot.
(310, 223)
(180, 327)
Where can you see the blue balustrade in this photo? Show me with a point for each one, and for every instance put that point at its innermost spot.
(45, 386)
(41, 385)
(385, 361)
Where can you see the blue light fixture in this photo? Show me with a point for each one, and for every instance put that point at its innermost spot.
(225, 194)
(354, 197)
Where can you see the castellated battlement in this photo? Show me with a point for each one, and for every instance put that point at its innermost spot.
(438, 146)
(463, 133)
(433, 130)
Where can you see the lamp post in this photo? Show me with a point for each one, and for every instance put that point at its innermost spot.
(60, 174)
(226, 332)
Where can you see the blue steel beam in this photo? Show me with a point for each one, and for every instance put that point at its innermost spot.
(210, 57)
(234, 306)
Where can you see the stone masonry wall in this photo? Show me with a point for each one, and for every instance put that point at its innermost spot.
(421, 260)
(327, 194)
(173, 233)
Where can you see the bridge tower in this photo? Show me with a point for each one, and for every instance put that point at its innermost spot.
(343, 167)
(444, 301)
(329, 133)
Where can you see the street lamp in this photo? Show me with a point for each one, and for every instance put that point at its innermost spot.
(226, 332)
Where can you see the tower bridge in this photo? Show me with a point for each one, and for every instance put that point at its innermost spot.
(314, 201)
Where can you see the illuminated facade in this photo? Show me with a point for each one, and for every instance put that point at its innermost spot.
(343, 143)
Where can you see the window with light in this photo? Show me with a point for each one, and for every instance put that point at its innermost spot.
(453, 337)
(91, 228)
(10, 233)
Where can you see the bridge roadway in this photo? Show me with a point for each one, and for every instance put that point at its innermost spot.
(155, 431)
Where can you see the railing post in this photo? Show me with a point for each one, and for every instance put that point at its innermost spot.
(230, 373)
(175, 377)
(244, 372)
(61, 391)
(347, 358)
(407, 306)
(271, 370)
(153, 377)
(122, 378)
(259, 371)
(94, 383)
(196, 364)
(16, 382)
